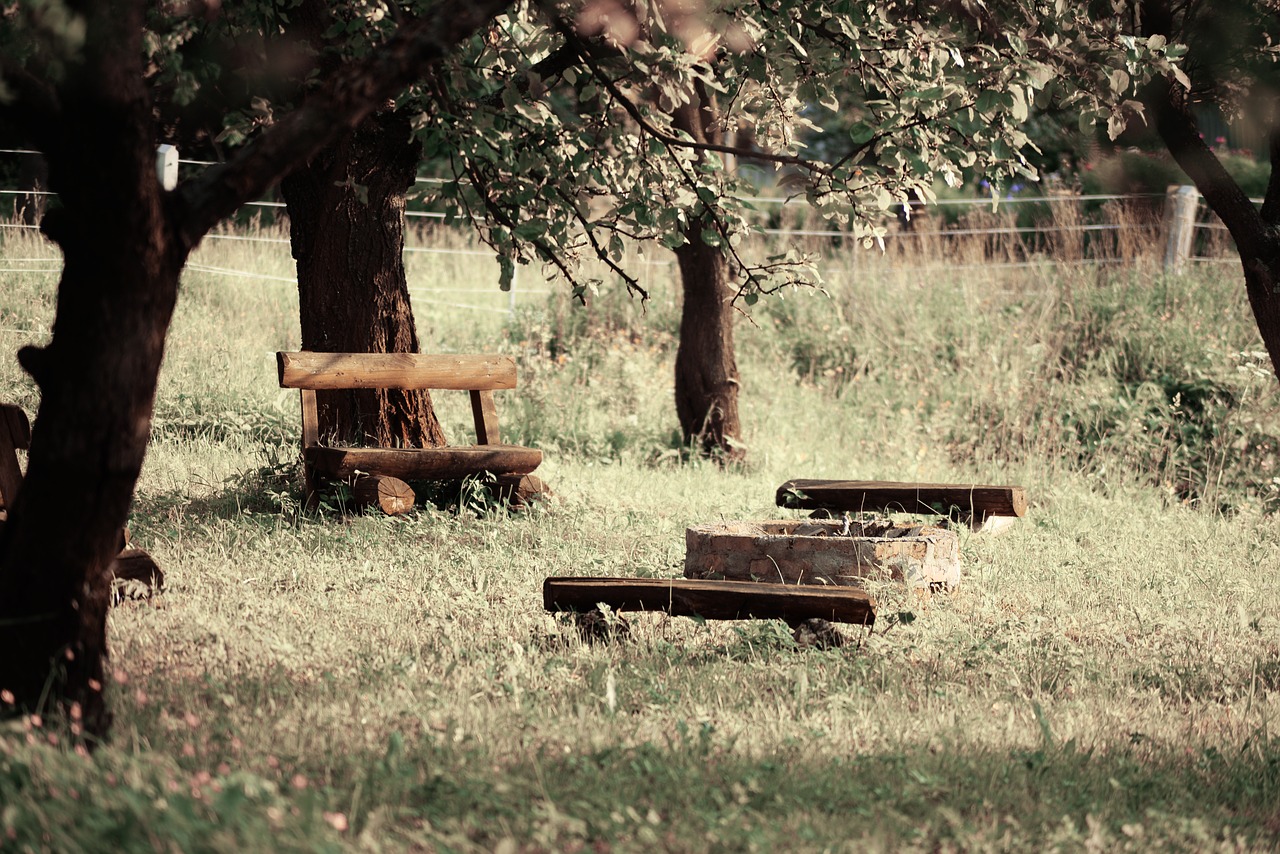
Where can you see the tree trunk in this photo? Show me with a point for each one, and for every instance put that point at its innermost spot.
(97, 380)
(346, 215)
(706, 372)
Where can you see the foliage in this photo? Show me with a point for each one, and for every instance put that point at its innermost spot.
(1137, 172)
(554, 129)
(577, 152)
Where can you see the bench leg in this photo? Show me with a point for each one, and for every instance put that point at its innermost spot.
(312, 483)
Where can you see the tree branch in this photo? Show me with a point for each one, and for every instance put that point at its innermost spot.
(1181, 134)
(583, 49)
(353, 93)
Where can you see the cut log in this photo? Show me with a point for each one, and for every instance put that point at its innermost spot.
(711, 600)
(976, 500)
(521, 490)
(391, 495)
(449, 463)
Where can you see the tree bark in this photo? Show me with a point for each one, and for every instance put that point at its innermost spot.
(346, 220)
(706, 380)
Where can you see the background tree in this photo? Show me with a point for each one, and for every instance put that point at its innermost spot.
(72, 79)
(625, 137)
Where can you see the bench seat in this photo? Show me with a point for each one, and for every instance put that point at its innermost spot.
(444, 463)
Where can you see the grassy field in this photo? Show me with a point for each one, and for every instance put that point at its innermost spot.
(1106, 677)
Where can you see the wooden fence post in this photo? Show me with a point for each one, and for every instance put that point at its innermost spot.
(1181, 204)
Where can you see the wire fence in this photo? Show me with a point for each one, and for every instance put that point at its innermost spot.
(985, 232)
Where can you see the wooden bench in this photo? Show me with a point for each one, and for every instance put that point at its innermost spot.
(132, 567)
(987, 509)
(480, 375)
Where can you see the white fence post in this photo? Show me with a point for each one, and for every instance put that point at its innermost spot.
(1180, 208)
(167, 166)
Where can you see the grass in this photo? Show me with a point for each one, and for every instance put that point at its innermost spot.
(1106, 677)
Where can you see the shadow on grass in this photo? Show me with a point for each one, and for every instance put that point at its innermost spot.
(689, 794)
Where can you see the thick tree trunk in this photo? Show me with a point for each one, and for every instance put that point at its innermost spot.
(346, 214)
(706, 379)
(97, 381)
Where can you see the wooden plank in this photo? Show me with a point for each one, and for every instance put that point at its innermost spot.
(15, 433)
(310, 419)
(711, 600)
(15, 421)
(980, 500)
(395, 370)
(424, 463)
(485, 413)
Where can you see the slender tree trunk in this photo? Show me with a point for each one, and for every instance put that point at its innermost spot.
(706, 382)
(97, 380)
(346, 215)
(706, 371)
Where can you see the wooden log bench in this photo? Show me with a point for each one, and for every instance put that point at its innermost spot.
(383, 471)
(136, 572)
(711, 600)
(986, 509)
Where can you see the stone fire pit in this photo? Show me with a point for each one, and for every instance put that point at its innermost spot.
(811, 551)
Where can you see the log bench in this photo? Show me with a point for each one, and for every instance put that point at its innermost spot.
(384, 470)
(133, 569)
(987, 509)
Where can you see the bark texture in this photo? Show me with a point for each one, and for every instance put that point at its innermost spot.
(346, 219)
(706, 380)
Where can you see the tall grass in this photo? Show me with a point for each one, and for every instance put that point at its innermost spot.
(1106, 677)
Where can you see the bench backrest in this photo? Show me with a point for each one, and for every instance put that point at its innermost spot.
(395, 370)
(478, 374)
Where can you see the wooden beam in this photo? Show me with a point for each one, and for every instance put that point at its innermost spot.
(15, 434)
(978, 500)
(448, 463)
(485, 414)
(395, 370)
(711, 600)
